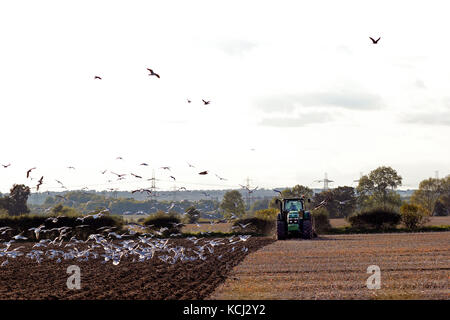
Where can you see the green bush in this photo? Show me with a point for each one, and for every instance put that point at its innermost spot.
(268, 214)
(254, 225)
(321, 220)
(413, 216)
(377, 218)
(161, 219)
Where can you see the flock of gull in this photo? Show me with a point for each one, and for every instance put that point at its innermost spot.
(120, 176)
(107, 245)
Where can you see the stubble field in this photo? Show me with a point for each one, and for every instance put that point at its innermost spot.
(413, 266)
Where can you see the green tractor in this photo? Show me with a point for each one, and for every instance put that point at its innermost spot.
(294, 221)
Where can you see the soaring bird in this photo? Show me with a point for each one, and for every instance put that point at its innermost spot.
(97, 77)
(119, 175)
(152, 73)
(143, 164)
(62, 197)
(190, 165)
(203, 172)
(375, 41)
(206, 102)
(136, 176)
(6, 165)
(173, 178)
(62, 185)
(189, 101)
(220, 178)
(251, 191)
(29, 171)
(165, 168)
(40, 181)
(104, 171)
(71, 167)
(119, 158)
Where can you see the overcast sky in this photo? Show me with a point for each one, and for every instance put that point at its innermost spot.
(301, 84)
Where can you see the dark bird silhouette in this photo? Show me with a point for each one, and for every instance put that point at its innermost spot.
(71, 167)
(375, 41)
(6, 165)
(29, 171)
(206, 102)
(189, 101)
(97, 77)
(203, 172)
(136, 176)
(61, 197)
(40, 181)
(152, 73)
(142, 190)
(119, 158)
(119, 175)
(173, 178)
(253, 190)
(166, 168)
(104, 171)
(143, 164)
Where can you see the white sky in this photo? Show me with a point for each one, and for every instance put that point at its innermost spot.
(302, 84)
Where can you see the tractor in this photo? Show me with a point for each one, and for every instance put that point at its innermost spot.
(294, 221)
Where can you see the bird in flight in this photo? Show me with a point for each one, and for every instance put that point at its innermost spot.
(173, 178)
(203, 172)
(6, 165)
(142, 190)
(104, 171)
(152, 73)
(165, 168)
(40, 181)
(136, 176)
(206, 102)
(97, 77)
(220, 178)
(61, 197)
(189, 101)
(375, 41)
(29, 171)
(71, 167)
(143, 164)
(62, 185)
(119, 158)
(119, 175)
(190, 165)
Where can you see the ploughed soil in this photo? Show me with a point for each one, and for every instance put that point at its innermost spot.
(24, 278)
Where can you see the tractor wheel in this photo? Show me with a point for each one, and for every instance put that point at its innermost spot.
(307, 229)
(281, 229)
